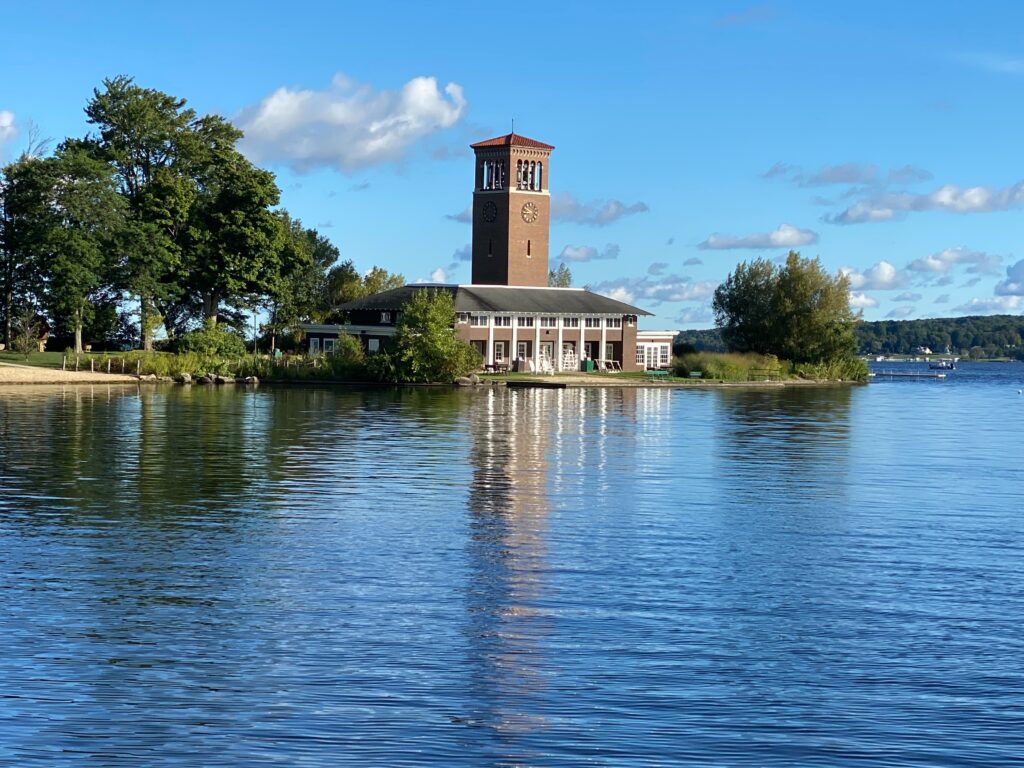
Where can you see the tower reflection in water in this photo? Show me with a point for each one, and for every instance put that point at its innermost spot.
(543, 468)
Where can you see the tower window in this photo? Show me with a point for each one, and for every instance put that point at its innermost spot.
(528, 249)
(490, 247)
(540, 172)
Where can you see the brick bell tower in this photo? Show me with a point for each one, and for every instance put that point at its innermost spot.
(511, 211)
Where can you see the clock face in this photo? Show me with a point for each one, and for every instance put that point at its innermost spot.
(490, 211)
(530, 212)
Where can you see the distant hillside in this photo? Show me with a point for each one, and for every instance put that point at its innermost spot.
(977, 336)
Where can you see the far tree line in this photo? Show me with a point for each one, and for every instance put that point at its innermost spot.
(155, 219)
(977, 336)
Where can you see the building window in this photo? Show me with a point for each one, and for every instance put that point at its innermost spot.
(549, 322)
(592, 322)
(528, 249)
(478, 321)
(639, 354)
(609, 351)
(663, 358)
(570, 322)
(522, 350)
(385, 318)
(373, 345)
(329, 346)
(314, 345)
(540, 172)
(499, 351)
(614, 322)
(503, 321)
(524, 322)
(463, 317)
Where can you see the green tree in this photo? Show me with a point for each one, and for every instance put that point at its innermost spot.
(560, 278)
(84, 217)
(743, 307)
(23, 192)
(233, 250)
(797, 312)
(426, 347)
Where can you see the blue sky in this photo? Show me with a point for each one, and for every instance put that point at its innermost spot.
(884, 138)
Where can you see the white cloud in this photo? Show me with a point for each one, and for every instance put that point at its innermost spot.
(701, 314)
(656, 291)
(1013, 285)
(998, 305)
(7, 128)
(850, 174)
(908, 296)
(785, 236)
(949, 197)
(347, 126)
(860, 300)
(994, 62)
(883, 276)
(598, 213)
(899, 312)
(465, 216)
(588, 253)
(465, 253)
(942, 261)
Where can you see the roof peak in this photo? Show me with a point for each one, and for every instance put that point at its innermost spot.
(511, 140)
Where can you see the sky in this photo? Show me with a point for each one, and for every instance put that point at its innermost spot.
(883, 138)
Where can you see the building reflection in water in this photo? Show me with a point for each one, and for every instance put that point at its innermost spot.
(528, 448)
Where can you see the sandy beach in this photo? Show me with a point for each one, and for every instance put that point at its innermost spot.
(11, 373)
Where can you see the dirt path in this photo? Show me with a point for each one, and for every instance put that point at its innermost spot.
(11, 373)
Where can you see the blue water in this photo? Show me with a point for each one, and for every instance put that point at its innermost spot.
(822, 576)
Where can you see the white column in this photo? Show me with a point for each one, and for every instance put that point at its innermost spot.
(558, 352)
(490, 340)
(604, 332)
(513, 354)
(536, 343)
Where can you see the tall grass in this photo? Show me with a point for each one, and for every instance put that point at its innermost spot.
(730, 366)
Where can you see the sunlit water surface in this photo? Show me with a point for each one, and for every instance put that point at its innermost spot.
(803, 577)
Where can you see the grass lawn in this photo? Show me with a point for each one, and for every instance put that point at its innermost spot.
(37, 359)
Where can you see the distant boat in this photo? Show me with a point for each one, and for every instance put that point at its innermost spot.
(943, 365)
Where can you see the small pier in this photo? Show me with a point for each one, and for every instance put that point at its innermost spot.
(531, 384)
(905, 375)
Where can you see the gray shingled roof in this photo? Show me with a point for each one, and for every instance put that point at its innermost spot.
(500, 298)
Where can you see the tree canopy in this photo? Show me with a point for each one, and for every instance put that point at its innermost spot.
(797, 312)
(157, 216)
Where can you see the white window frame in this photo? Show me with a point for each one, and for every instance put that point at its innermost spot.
(570, 322)
(522, 350)
(373, 345)
(385, 318)
(478, 321)
(314, 345)
(549, 322)
(329, 346)
(614, 322)
(503, 321)
(640, 356)
(524, 322)
(499, 352)
(592, 322)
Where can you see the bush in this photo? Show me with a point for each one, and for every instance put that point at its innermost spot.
(849, 369)
(213, 339)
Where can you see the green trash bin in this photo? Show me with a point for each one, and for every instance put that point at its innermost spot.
(587, 366)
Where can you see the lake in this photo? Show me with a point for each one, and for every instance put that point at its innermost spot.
(812, 576)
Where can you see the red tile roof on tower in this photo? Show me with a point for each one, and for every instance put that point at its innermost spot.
(511, 140)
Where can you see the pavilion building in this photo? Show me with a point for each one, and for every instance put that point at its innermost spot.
(508, 312)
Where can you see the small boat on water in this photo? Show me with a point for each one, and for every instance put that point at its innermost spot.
(943, 365)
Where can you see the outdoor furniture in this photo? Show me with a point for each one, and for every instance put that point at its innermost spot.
(499, 367)
(695, 375)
